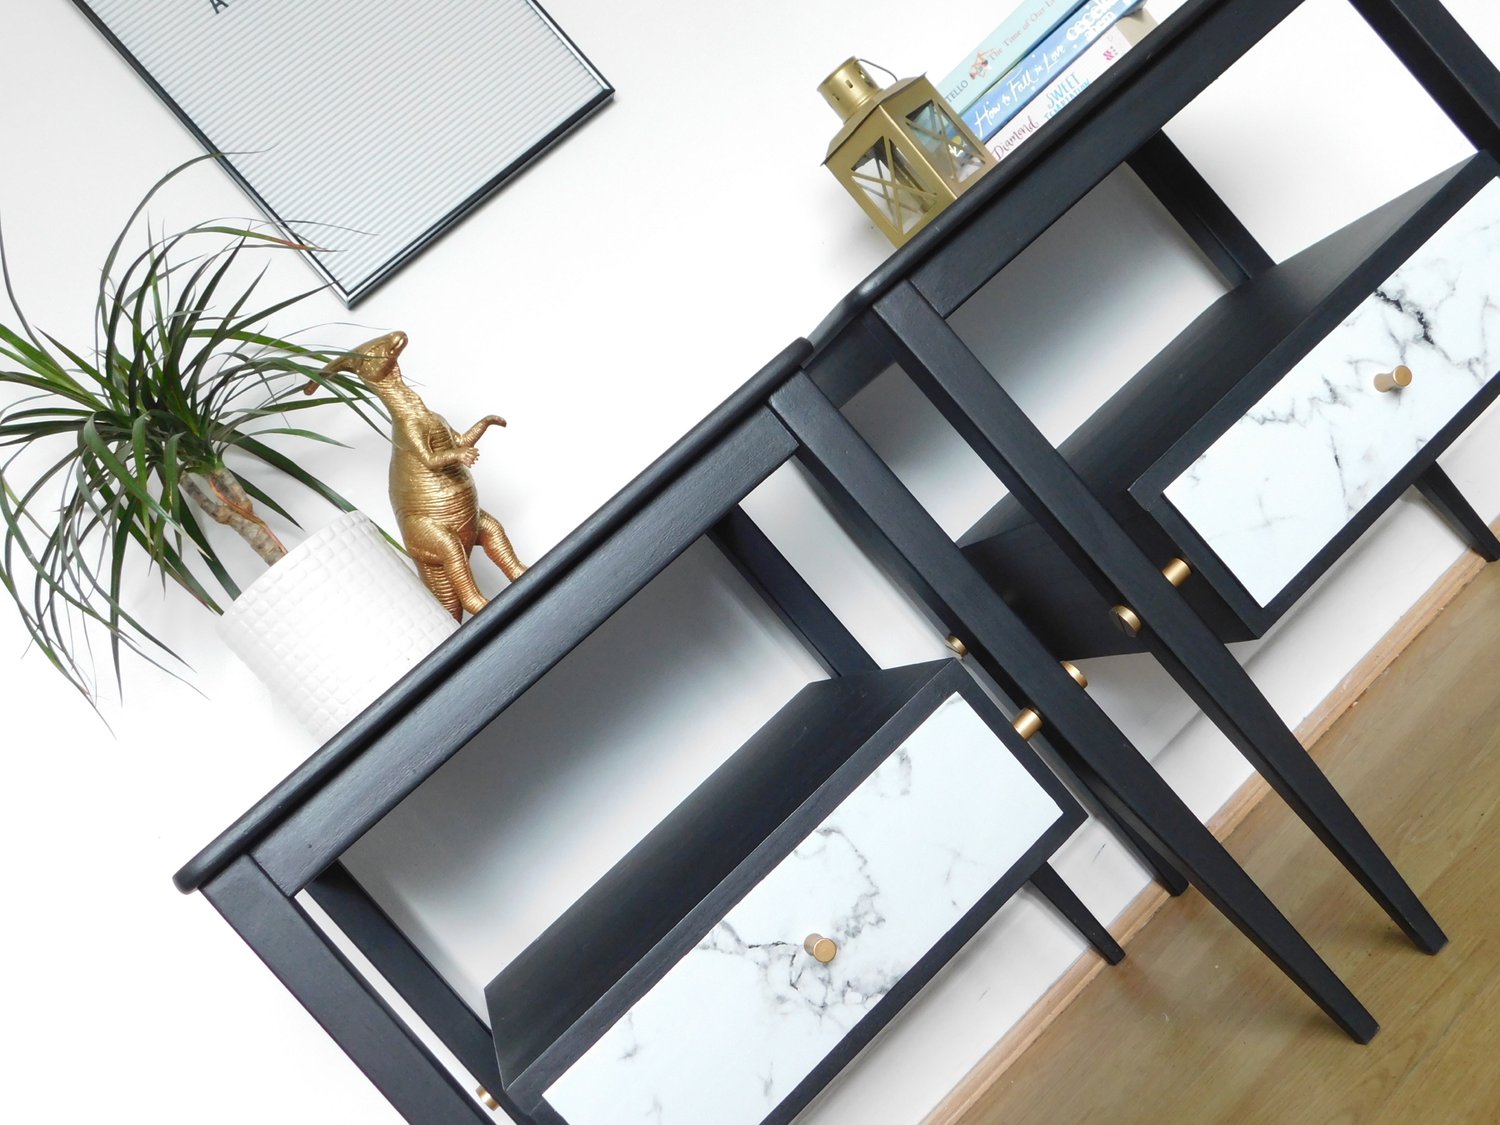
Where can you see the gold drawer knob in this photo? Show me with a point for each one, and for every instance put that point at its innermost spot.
(1176, 572)
(1027, 724)
(960, 649)
(823, 949)
(1393, 380)
(1127, 620)
(1076, 672)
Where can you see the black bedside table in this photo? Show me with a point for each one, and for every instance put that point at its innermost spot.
(293, 840)
(898, 316)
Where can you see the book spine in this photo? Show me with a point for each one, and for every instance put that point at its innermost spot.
(1039, 69)
(1007, 45)
(1107, 50)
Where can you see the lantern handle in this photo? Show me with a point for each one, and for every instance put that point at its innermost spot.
(877, 66)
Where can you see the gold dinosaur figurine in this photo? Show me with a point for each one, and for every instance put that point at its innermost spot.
(432, 491)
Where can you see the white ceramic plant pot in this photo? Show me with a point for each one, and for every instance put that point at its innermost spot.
(335, 623)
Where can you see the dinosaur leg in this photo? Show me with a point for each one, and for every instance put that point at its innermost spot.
(497, 545)
(433, 545)
(435, 578)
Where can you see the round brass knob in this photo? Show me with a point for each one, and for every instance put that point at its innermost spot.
(1076, 672)
(486, 1098)
(959, 648)
(1027, 723)
(1393, 380)
(1127, 620)
(1177, 572)
(823, 949)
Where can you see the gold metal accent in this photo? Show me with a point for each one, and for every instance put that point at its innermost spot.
(486, 1098)
(1027, 723)
(1129, 622)
(1177, 572)
(1393, 380)
(432, 491)
(959, 648)
(1076, 672)
(848, 88)
(822, 949)
(901, 152)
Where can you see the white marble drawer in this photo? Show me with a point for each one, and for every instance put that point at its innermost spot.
(746, 1015)
(1284, 480)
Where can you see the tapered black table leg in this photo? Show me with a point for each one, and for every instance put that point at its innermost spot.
(1203, 215)
(1096, 797)
(1226, 694)
(1162, 870)
(403, 966)
(893, 526)
(1070, 906)
(767, 570)
(1439, 490)
(998, 430)
(1442, 56)
(320, 977)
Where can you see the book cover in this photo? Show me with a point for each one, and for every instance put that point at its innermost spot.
(1007, 45)
(1045, 63)
(1107, 50)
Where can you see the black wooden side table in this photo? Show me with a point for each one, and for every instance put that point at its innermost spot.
(292, 840)
(898, 316)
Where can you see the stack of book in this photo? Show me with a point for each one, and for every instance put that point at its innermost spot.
(1044, 55)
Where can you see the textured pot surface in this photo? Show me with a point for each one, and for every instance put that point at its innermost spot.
(335, 623)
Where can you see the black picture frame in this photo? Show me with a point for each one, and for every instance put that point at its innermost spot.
(352, 294)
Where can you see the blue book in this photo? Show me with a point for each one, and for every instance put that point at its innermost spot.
(1008, 44)
(1046, 62)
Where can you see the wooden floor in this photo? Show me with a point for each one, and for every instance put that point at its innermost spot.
(1196, 1026)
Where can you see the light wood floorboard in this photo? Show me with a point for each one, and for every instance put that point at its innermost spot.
(1197, 1026)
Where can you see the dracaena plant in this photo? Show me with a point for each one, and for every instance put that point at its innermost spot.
(119, 447)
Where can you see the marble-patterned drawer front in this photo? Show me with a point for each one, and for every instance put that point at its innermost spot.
(1286, 477)
(742, 1018)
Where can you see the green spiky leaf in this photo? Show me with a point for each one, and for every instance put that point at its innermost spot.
(185, 366)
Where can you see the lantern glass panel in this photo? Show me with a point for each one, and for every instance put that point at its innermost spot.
(950, 152)
(887, 178)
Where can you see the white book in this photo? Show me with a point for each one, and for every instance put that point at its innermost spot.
(1110, 48)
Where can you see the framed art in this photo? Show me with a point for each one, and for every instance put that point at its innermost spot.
(364, 129)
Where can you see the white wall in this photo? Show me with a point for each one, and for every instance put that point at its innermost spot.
(604, 311)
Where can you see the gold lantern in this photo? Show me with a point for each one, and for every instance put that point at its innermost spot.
(901, 152)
